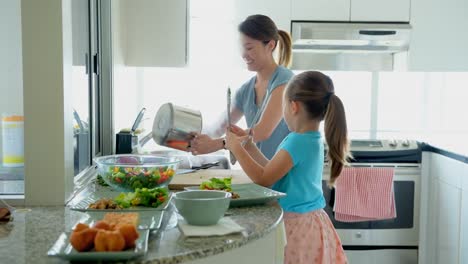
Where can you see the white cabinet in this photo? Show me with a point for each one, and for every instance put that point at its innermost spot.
(444, 210)
(439, 40)
(11, 63)
(152, 33)
(464, 217)
(80, 39)
(447, 229)
(320, 10)
(382, 256)
(277, 10)
(351, 10)
(380, 10)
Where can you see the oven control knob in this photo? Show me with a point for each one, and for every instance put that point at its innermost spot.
(358, 235)
(405, 143)
(392, 143)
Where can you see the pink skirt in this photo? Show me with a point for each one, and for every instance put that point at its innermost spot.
(311, 238)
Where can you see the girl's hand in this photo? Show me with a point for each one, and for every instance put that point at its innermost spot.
(248, 133)
(202, 144)
(237, 131)
(234, 142)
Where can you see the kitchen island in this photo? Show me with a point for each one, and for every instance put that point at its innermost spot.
(34, 230)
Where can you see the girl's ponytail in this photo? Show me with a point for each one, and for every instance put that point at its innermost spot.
(336, 134)
(285, 48)
(317, 92)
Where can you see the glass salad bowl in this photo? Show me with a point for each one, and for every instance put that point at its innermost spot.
(130, 171)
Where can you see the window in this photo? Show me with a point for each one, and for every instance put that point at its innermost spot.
(453, 102)
(87, 87)
(400, 102)
(11, 100)
(354, 89)
(81, 86)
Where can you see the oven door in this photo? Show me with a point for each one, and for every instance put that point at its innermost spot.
(397, 233)
(382, 256)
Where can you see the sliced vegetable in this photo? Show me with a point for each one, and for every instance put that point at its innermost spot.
(217, 184)
(223, 184)
(142, 197)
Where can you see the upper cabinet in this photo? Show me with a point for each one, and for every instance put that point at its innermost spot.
(277, 10)
(351, 10)
(151, 33)
(380, 10)
(320, 10)
(439, 39)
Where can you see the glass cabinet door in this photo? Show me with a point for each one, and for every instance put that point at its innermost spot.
(86, 135)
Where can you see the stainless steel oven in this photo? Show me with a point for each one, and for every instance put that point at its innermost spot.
(385, 241)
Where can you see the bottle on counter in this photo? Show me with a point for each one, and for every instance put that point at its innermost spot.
(13, 140)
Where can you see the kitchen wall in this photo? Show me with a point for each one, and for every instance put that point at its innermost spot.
(11, 85)
(126, 102)
(415, 105)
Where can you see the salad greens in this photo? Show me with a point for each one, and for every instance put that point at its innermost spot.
(142, 197)
(217, 184)
(131, 178)
(101, 181)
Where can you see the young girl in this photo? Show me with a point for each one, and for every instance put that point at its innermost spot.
(297, 166)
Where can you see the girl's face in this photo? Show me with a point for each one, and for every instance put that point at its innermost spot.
(256, 53)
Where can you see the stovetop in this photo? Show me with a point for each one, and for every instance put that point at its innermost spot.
(385, 151)
(384, 145)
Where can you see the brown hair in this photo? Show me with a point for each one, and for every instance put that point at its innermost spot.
(262, 28)
(316, 92)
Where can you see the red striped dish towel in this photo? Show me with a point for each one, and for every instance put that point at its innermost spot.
(364, 194)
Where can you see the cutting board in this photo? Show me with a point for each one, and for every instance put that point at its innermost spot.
(196, 178)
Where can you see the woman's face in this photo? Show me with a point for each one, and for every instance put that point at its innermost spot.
(255, 53)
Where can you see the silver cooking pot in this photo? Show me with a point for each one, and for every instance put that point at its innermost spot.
(174, 126)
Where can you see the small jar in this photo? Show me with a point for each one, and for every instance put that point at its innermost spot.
(13, 141)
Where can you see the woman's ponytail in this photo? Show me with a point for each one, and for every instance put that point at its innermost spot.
(336, 134)
(285, 48)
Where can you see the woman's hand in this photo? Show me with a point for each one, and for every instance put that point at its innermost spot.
(203, 144)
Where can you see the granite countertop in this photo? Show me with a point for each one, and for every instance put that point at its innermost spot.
(455, 147)
(33, 231)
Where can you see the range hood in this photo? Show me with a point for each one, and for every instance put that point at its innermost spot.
(350, 46)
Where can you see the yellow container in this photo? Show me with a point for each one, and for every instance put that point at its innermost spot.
(13, 141)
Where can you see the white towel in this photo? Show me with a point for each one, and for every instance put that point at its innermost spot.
(225, 226)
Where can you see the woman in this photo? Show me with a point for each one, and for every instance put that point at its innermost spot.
(260, 98)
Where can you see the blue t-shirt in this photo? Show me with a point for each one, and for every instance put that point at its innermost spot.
(245, 98)
(303, 183)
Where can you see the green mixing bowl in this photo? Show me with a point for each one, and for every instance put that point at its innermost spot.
(202, 207)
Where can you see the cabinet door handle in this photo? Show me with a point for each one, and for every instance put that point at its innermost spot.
(377, 32)
(87, 63)
(95, 64)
